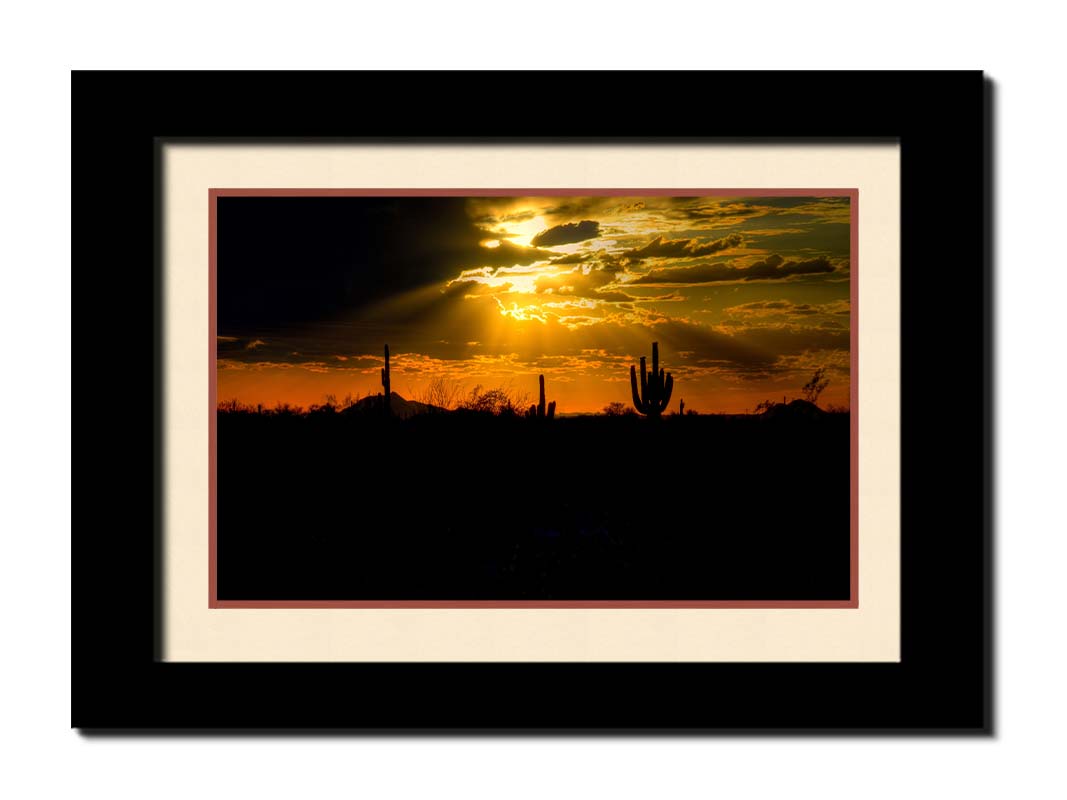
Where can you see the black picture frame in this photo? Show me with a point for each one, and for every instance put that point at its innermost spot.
(943, 682)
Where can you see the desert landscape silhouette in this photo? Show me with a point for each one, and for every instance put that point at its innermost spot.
(487, 498)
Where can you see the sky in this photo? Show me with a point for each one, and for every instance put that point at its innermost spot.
(746, 296)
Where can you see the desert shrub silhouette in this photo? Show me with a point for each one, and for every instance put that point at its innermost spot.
(501, 402)
(617, 409)
(440, 394)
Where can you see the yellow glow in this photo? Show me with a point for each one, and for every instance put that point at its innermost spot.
(490, 243)
(523, 232)
(520, 283)
(522, 313)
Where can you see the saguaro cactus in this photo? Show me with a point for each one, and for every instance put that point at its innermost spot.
(655, 388)
(386, 402)
(681, 406)
(540, 411)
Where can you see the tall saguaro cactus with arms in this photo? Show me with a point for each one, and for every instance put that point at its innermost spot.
(656, 388)
(541, 411)
(387, 406)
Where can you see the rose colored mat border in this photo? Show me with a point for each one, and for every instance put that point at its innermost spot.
(852, 602)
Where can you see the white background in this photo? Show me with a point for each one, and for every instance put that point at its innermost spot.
(1018, 44)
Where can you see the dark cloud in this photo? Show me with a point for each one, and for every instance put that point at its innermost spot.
(507, 254)
(681, 248)
(567, 234)
(232, 345)
(773, 267)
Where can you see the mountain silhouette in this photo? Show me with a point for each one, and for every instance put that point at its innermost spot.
(401, 407)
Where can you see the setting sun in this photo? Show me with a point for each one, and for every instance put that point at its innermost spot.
(522, 231)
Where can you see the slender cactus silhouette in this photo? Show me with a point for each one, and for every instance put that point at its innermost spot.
(540, 411)
(386, 402)
(655, 388)
(681, 406)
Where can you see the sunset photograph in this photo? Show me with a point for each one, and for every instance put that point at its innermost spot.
(533, 397)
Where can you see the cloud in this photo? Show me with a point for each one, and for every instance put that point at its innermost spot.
(772, 268)
(573, 258)
(609, 296)
(701, 273)
(567, 234)
(775, 267)
(719, 214)
(786, 308)
(235, 346)
(577, 207)
(520, 216)
(762, 305)
(681, 248)
(507, 254)
(462, 288)
(443, 332)
(766, 308)
(752, 352)
(578, 283)
(783, 341)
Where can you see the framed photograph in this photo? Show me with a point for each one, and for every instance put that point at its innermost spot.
(492, 422)
(363, 335)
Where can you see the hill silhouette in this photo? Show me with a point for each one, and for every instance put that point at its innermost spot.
(401, 407)
(794, 410)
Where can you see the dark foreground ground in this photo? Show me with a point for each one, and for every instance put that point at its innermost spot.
(463, 507)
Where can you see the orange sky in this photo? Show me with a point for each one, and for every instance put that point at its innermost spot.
(302, 386)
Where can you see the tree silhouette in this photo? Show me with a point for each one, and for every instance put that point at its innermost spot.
(813, 388)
